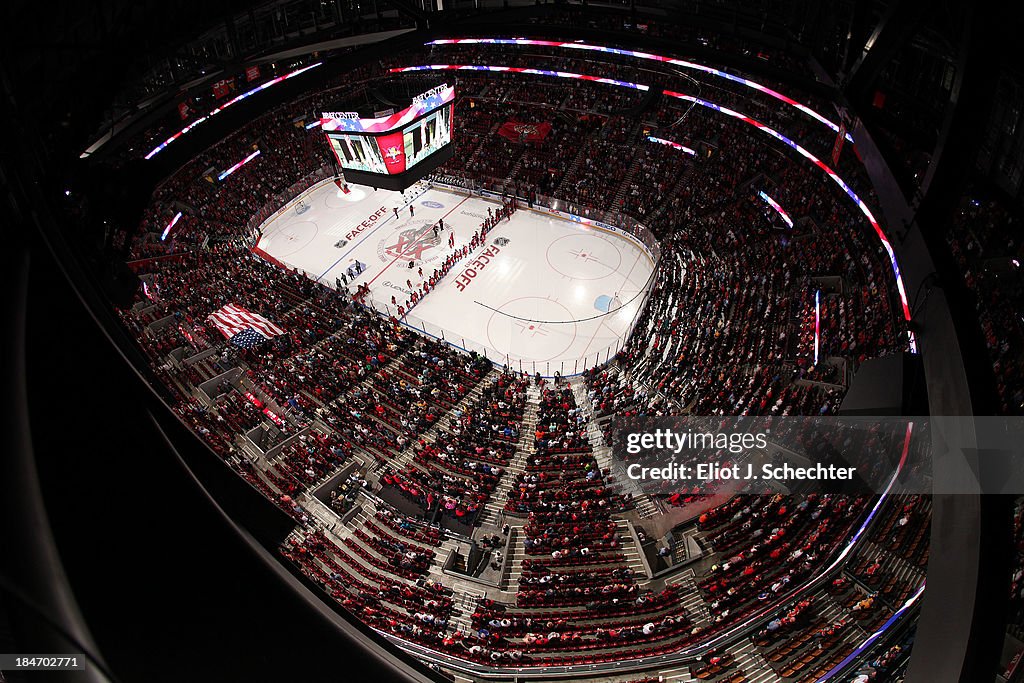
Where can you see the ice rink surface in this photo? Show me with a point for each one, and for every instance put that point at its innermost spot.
(543, 293)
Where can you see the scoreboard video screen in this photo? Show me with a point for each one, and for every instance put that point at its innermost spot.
(392, 150)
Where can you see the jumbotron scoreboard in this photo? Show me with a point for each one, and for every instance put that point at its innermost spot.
(392, 149)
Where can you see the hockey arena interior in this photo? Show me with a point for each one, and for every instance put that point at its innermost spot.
(354, 300)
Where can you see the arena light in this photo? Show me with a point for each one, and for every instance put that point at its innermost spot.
(239, 165)
(775, 205)
(313, 124)
(676, 145)
(652, 57)
(274, 81)
(170, 226)
(519, 70)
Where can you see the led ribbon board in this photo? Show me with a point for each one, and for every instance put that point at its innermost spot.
(518, 70)
(775, 205)
(170, 226)
(817, 323)
(159, 148)
(652, 57)
(674, 145)
(239, 165)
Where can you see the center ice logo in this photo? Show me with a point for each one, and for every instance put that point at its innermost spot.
(525, 129)
(410, 244)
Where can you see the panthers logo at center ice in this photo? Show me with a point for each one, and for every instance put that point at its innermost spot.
(412, 244)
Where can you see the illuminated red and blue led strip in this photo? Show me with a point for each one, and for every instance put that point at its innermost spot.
(652, 57)
(848, 548)
(518, 70)
(901, 290)
(817, 323)
(676, 145)
(775, 205)
(911, 600)
(274, 81)
(838, 668)
(170, 226)
(239, 165)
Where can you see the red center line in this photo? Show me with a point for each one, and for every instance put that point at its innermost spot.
(427, 227)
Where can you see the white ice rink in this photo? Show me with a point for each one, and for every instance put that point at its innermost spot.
(538, 293)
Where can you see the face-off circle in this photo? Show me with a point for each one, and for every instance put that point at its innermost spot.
(583, 257)
(293, 237)
(527, 338)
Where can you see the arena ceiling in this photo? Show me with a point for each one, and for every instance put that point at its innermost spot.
(77, 60)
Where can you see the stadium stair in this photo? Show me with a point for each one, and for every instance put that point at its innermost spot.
(692, 600)
(574, 165)
(492, 514)
(752, 663)
(627, 179)
(482, 145)
(631, 551)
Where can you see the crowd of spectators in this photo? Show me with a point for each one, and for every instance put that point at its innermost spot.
(1017, 582)
(985, 240)
(730, 293)
(464, 462)
(770, 545)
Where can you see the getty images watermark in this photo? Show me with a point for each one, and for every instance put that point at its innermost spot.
(853, 455)
(718, 458)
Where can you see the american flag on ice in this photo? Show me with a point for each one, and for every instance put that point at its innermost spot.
(242, 327)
